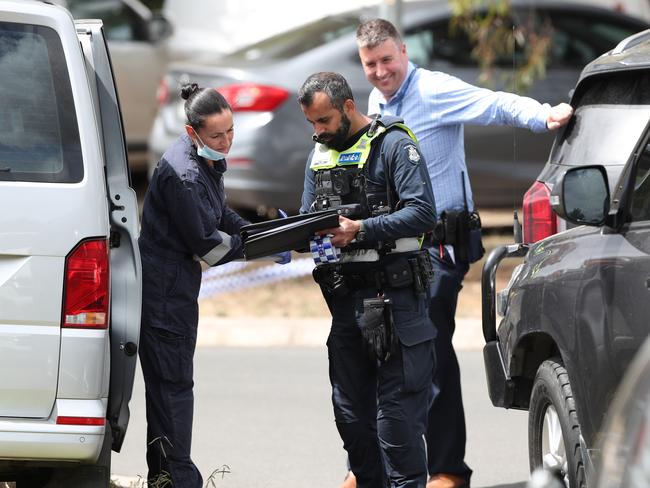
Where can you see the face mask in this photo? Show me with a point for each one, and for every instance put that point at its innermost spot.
(207, 152)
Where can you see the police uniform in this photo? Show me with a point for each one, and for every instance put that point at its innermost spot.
(185, 220)
(380, 405)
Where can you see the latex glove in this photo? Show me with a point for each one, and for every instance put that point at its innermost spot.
(282, 257)
(285, 256)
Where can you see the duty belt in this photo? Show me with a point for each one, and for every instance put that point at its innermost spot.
(400, 246)
(403, 270)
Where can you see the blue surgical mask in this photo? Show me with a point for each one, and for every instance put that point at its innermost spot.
(207, 152)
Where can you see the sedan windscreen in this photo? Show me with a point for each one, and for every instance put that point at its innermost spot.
(299, 40)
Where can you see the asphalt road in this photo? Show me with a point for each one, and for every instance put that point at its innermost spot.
(266, 414)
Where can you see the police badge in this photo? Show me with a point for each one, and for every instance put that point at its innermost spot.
(414, 155)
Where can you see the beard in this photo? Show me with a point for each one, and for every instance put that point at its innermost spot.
(337, 139)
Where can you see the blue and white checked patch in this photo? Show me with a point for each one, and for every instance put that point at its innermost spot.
(323, 251)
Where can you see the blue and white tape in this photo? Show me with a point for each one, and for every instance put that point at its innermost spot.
(323, 251)
(237, 276)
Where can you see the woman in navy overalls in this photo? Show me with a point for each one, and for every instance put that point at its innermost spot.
(185, 221)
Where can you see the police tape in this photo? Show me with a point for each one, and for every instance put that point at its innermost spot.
(233, 277)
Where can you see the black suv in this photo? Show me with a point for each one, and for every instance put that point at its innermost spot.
(578, 307)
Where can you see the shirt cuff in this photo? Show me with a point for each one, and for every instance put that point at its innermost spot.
(543, 118)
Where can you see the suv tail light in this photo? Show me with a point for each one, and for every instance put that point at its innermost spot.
(539, 219)
(86, 286)
(251, 97)
(162, 92)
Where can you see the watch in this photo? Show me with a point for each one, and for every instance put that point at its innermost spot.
(360, 236)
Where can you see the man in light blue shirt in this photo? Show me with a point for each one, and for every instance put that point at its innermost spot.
(436, 106)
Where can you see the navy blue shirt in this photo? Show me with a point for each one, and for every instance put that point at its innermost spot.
(416, 212)
(185, 210)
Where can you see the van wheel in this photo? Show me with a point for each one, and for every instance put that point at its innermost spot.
(88, 476)
(553, 427)
(31, 479)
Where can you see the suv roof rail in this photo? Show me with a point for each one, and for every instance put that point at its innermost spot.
(631, 41)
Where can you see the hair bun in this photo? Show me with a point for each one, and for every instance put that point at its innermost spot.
(188, 89)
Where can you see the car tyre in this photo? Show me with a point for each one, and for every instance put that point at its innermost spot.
(553, 427)
(97, 475)
(31, 479)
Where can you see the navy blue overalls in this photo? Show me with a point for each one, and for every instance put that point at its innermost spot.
(381, 408)
(185, 219)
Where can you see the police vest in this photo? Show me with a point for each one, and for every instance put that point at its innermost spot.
(340, 177)
(340, 183)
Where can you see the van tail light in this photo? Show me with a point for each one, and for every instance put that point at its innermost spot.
(81, 421)
(162, 92)
(539, 219)
(86, 286)
(251, 97)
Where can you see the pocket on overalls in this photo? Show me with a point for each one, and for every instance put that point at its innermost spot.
(174, 354)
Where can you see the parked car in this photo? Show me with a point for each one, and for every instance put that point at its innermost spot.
(266, 163)
(576, 309)
(70, 292)
(136, 38)
(625, 441)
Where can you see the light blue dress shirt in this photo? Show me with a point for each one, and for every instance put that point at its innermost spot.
(435, 106)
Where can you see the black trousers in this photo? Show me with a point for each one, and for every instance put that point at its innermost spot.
(446, 434)
(170, 288)
(381, 408)
(166, 361)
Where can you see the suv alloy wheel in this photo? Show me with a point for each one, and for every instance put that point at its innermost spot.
(553, 427)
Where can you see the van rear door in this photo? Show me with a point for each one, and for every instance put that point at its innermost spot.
(51, 195)
(126, 287)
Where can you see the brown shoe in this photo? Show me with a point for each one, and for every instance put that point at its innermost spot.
(350, 481)
(443, 480)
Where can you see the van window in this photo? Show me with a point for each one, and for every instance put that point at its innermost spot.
(39, 136)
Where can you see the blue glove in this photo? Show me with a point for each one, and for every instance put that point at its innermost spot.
(285, 256)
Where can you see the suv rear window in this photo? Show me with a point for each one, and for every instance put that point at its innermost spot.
(39, 136)
(611, 113)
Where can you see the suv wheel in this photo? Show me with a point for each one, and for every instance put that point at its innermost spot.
(553, 427)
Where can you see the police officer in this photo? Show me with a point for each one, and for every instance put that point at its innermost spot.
(381, 342)
(185, 221)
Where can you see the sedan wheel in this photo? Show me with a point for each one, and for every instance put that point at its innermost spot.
(553, 427)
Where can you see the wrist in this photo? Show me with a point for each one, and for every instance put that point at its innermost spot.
(360, 235)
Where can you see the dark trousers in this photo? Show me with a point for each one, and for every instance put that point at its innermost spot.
(380, 408)
(446, 435)
(166, 359)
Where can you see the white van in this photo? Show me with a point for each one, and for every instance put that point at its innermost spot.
(70, 285)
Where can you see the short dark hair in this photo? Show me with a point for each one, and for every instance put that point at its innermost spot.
(372, 33)
(201, 102)
(332, 84)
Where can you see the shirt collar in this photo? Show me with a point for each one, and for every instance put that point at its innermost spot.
(403, 87)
